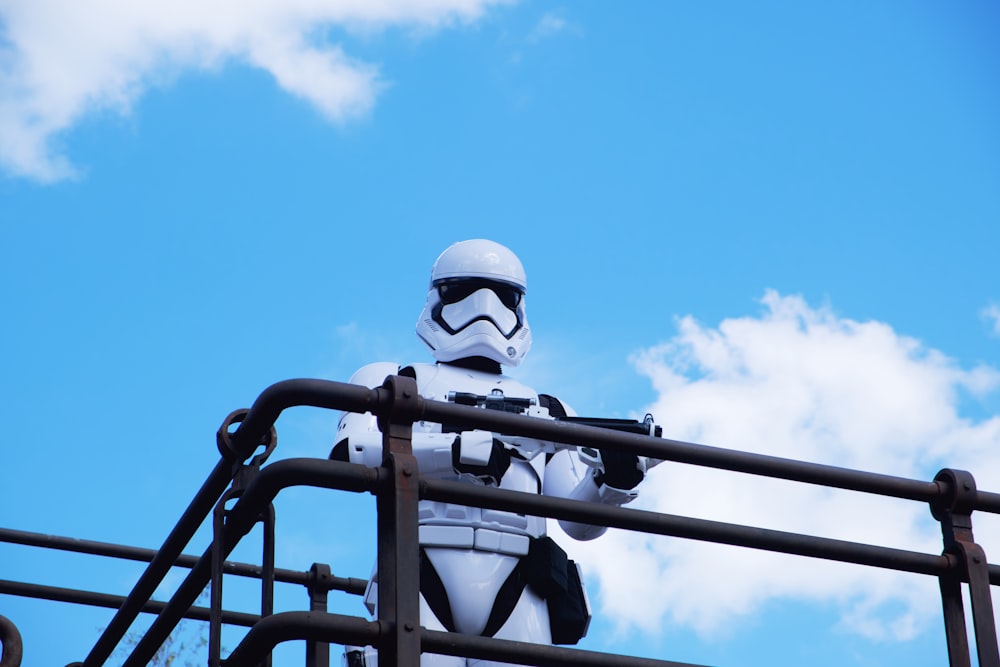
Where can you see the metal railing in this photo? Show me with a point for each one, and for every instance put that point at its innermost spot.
(397, 485)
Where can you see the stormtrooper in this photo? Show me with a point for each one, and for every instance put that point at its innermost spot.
(487, 572)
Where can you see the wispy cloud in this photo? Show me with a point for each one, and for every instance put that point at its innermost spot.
(61, 60)
(804, 383)
(991, 314)
(550, 24)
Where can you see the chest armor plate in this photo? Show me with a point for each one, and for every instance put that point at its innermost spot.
(435, 382)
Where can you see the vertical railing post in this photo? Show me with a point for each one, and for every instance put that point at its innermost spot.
(318, 653)
(955, 631)
(215, 583)
(267, 572)
(398, 537)
(954, 512)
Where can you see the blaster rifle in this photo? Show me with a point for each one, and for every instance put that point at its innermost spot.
(496, 400)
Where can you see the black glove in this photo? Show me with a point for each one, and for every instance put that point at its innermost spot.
(494, 469)
(621, 469)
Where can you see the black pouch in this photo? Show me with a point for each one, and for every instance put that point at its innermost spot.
(552, 575)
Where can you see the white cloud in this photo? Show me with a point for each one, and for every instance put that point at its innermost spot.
(796, 382)
(550, 24)
(63, 59)
(991, 314)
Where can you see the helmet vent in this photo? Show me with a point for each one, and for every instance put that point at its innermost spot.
(430, 324)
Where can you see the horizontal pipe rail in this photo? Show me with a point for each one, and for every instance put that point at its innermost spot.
(686, 527)
(303, 625)
(339, 629)
(346, 584)
(286, 394)
(94, 599)
(682, 452)
(524, 653)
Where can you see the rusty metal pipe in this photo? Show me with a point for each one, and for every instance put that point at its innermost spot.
(125, 552)
(261, 416)
(305, 626)
(684, 527)
(524, 653)
(678, 451)
(95, 599)
(339, 629)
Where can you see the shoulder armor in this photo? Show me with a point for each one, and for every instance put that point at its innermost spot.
(373, 375)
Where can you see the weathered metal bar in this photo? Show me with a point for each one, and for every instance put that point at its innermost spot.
(678, 451)
(108, 601)
(318, 653)
(267, 583)
(524, 653)
(685, 527)
(954, 511)
(955, 631)
(216, 581)
(983, 622)
(398, 537)
(307, 626)
(346, 584)
(943, 509)
(987, 502)
(271, 402)
(338, 629)
(267, 558)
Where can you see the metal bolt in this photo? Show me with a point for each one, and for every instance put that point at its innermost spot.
(407, 393)
(975, 559)
(408, 627)
(407, 471)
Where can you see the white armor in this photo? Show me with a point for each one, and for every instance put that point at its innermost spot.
(470, 553)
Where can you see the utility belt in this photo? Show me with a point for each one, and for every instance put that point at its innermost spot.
(480, 539)
(543, 566)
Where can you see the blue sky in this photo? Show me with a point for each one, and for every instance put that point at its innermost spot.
(772, 224)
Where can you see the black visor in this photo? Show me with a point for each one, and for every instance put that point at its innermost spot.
(453, 291)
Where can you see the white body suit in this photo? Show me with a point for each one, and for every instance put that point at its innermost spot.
(473, 550)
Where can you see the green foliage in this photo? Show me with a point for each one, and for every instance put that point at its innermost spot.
(187, 646)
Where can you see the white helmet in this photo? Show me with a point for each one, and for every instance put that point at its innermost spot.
(475, 305)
